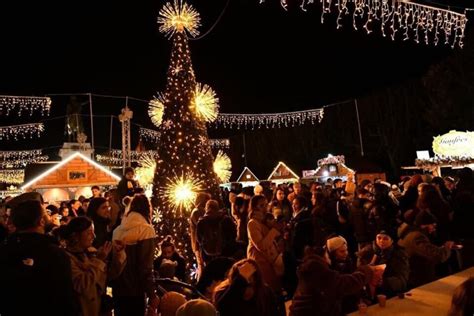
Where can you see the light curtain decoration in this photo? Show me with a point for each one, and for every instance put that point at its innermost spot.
(149, 134)
(12, 176)
(20, 104)
(410, 20)
(220, 143)
(115, 156)
(19, 154)
(268, 120)
(23, 131)
(21, 163)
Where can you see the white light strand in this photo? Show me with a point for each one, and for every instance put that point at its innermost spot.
(19, 154)
(149, 134)
(21, 163)
(269, 120)
(220, 143)
(115, 156)
(22, 131)
(411, 20)
(24, 104)
(13, 176)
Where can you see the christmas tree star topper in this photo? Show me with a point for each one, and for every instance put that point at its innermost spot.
(178, 17)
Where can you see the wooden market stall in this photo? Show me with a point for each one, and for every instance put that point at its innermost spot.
(69, 178)
(283, 174)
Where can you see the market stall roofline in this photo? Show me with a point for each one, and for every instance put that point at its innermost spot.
(64, 162)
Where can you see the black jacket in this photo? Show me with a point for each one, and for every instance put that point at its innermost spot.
(395, 276)
(301, 233)
(35, 277)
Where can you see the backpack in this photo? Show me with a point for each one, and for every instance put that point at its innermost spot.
(212, 240)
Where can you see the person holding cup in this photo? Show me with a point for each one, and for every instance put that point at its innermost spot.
(385, 251)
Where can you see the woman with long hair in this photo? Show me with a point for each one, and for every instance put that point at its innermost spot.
(383, 215)
(244, 292)
(262, 248)
(89, 269)
(430, 200)
(135, 284)
(280, 206)
(99, 212)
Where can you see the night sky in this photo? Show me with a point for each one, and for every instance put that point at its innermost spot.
(259, 58)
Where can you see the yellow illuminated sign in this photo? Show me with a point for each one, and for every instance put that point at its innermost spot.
(454, 144)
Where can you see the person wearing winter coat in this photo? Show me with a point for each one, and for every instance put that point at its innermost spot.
(89, 267)
(385, 251)
(216, 234)
(33, 269)
(99, 212)
(320, 289)
(263, 243)
(423, 255)
(301, 227)
(135, 283)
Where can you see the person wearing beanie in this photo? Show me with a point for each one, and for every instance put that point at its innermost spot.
(320, 289)
(423, 255)
(385, 251)
(197, 307)
(341, 262)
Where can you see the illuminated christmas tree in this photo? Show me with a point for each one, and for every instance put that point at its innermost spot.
(185, 162)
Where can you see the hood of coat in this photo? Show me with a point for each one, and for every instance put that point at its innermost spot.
(133, 229)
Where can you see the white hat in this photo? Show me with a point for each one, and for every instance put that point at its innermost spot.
(335, 243)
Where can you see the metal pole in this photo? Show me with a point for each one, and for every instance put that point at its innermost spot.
(245, 150)
(110, 137)
(358, 125)
(92, 123)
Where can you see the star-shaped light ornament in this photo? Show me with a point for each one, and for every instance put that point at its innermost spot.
(168, 124)
(179, 17)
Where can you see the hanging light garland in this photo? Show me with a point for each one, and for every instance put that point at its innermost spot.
(20, 154)
(22, 131)
(269, 120)
(24, 104)
(115, 157)
(21, 163)
(149, 134)
(220, 143)
(13, 176)
(422, 23)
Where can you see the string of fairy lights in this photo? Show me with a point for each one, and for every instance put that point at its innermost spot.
(22, 104)
(21, 131)
(12, 176)
(420, 22)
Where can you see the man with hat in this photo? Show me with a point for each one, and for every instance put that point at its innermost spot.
(423, 255)
(384, 251)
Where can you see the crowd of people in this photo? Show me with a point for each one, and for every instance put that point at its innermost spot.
(328, 247)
